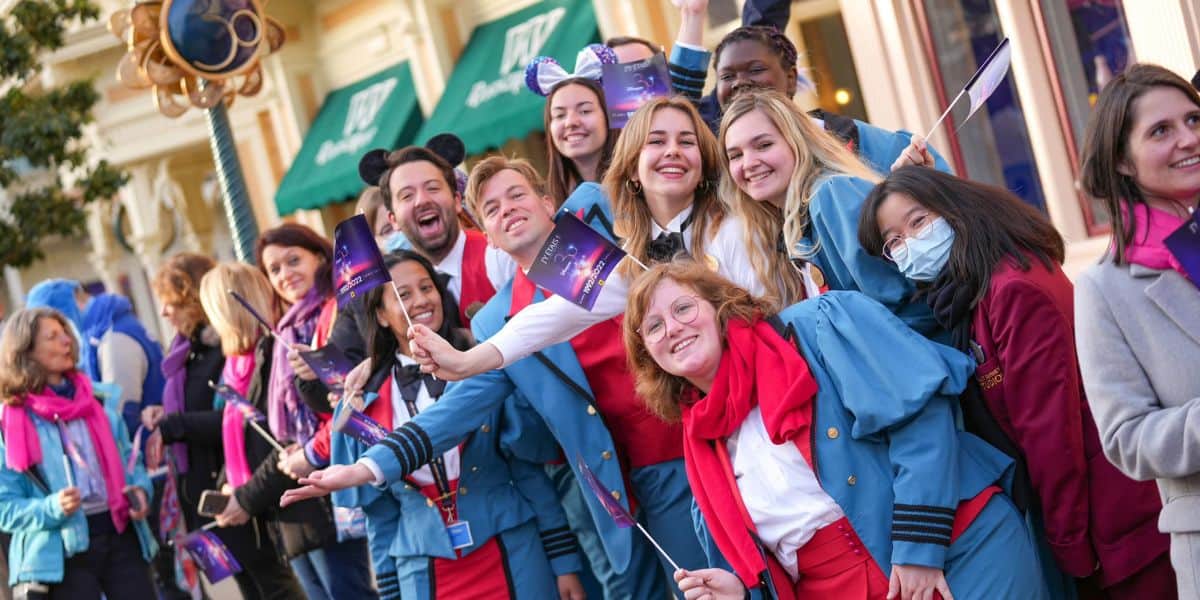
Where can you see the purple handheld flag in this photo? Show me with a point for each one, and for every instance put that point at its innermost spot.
(330, 365)
(352, 422)
(613, 506)
(1184, 244)
(213, 557)
(575, 261)
(983, 83)
(357, 263)
(250, 414)
(627, 86)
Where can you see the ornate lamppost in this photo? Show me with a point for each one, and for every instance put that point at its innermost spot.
(202, 54)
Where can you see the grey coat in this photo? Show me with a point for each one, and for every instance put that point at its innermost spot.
(1138, 337)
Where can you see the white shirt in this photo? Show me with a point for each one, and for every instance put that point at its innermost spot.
(424, 475)
(780, 491)
(557, 320)
(500, 266)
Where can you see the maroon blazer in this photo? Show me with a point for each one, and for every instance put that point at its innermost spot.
(1093, 514)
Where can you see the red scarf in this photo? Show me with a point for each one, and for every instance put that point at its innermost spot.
(759, 368)
(23, 449)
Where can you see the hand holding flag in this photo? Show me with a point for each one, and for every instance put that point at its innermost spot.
(213, 557)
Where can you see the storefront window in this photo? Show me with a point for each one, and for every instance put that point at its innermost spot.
(1090, 43)
(994, 146)
(831, 66)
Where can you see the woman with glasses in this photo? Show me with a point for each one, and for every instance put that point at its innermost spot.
(987, 264)
(821, 446)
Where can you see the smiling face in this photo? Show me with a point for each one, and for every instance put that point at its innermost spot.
(53, 349)
(682, 334)
(899, 217)
(1163, 150)
(517, 220)
(669, 164)
(292, 270)
(760, 161)
(748, 64)
(577, 124)
(420, 296)
(424, 208)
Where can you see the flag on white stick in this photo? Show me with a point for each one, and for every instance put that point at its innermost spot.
(983, 83)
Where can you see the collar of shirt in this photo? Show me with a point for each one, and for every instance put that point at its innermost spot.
(452, 265)
(674, 226)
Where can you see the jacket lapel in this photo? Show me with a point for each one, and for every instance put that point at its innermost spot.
(1175, 296)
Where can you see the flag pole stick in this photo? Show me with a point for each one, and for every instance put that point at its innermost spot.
(655, 542)
(266, 436)
(403, 309)
(944, 114)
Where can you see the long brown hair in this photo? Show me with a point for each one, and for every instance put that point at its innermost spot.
(178, 283)
(990, 224)
(658, 389)
(1106, 146)
(631, 213)
(562, 177)
(300, 236)
(20, 374)
(817, 154)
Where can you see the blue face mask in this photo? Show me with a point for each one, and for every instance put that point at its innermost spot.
(395, 241)
(925, 255)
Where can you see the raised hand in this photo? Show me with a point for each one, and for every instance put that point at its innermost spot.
(299, 367)
(437, 356)
(917, 153)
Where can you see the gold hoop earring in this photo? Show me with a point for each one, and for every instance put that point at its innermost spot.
(633, 186)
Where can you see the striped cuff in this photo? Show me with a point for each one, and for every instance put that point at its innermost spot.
(922, 524)
(559, 542)
(411, 447)
(388, 585)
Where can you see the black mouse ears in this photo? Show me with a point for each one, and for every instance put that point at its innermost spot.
(373, 164)
(449, 147)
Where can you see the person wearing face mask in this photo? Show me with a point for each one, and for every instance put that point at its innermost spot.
(1139, 309)
(371, 205)
(821, 447)
(799, 192)
(988, 266)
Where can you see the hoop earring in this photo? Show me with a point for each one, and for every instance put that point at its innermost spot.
(633, 187)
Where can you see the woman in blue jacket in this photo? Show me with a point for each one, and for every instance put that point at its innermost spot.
(821, 446)
(475, 522)
(77, 517)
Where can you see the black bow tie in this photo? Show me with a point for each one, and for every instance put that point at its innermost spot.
(409, 379)
(664, 247)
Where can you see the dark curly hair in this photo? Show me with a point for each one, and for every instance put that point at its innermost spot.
(768, 36)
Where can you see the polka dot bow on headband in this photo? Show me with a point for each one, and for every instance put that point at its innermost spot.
(544, 73)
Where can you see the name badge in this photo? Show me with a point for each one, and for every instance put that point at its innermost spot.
(460, 535)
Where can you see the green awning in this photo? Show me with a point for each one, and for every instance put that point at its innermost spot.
(380, 111)
(486, 102)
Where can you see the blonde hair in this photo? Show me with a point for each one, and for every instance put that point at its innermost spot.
(20, 374)
(238, 329)
(630, 210)
(818, 154)
(489, 168)
(658, 389)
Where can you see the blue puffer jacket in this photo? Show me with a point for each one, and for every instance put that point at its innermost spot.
(42, 536)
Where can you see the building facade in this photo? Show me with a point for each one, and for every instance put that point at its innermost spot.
(357, 74)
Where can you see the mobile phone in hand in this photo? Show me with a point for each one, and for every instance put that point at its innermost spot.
(212, 503)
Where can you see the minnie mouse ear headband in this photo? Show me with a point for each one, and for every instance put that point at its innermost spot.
(543, 72)
(373, 164)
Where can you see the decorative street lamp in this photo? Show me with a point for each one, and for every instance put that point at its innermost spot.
(203, 54)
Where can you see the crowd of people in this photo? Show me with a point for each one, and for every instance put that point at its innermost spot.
(828, 368)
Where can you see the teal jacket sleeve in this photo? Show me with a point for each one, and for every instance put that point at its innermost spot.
(900, 389)
(688, 68)
(22, 506)
(833, 236)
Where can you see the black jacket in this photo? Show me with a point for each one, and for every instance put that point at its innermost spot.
(303, 526)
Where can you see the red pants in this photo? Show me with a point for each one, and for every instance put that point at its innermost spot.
(480, 574)
(834, 564)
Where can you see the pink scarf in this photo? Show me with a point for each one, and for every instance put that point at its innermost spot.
(1147, 247)
(23, 449)
(238, 371)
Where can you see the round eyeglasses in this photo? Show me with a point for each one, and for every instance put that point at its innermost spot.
(683, 310)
